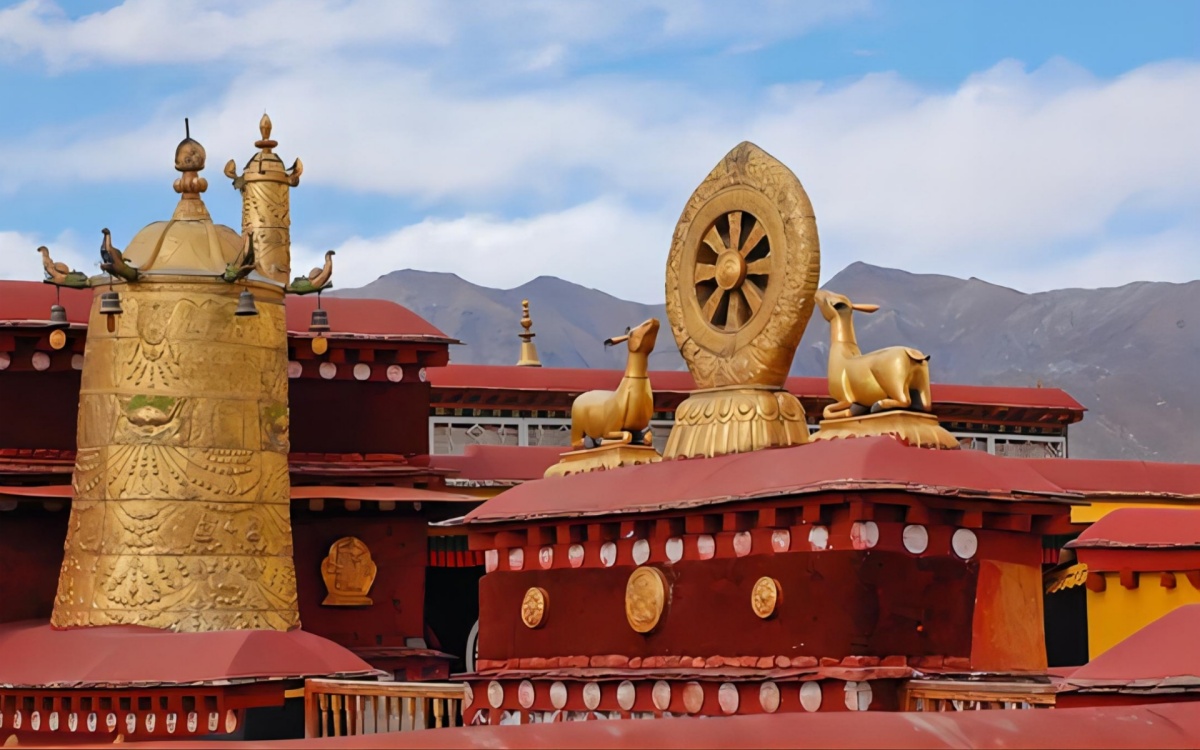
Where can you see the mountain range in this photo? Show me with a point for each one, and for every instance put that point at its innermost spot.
(1130, 355)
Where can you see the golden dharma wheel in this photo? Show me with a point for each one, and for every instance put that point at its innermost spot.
(645, 598)
(533, 607)
(764, 597)
(742, 271)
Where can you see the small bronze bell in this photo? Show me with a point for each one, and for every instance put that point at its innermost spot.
(320, 321)
(245, 304)
(58, 316)
(110, 304)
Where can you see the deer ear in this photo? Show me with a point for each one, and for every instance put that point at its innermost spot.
(864, 308)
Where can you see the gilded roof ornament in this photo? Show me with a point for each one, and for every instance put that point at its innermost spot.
(266, 164)
(529, 355)
(189, 159)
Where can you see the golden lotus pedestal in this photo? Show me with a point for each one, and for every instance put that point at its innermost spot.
(918, 429)
(606, 456)
(736, 420)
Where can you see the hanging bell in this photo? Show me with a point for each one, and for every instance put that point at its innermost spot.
(110, 303)
(246, 304)
(58, 316)
(320, 321)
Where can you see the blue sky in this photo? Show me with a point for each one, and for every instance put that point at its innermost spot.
(1033, 144)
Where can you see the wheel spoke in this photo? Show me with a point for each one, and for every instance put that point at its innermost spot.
(753, 295)
(760, 267)
(756, 236)
(735, 230)
(705, 272)
(713, 240)
(733, 319)
(710, 307)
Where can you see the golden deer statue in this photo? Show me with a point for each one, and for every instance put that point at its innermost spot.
(893, 378)
(618, 415)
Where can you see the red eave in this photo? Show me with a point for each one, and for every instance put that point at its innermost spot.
(499, 463)
(1162, 654)
(1143, 528)
(878, 463)
(1122, 478)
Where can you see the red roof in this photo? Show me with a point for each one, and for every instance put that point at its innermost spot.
(499, 463)
(1171, 725)
(28, 302)
(1143, 528)
(32, 654)
(1161, 655)
(361, 318)
(377, 494)
(574, 380)
(852, 464)
(1122, 478)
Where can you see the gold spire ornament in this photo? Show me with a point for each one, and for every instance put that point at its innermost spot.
(266, 208)
(180, 518)
(741, 275)
(529, 355)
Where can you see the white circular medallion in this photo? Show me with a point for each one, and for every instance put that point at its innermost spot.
(151, 721)
(230, 721)
(5, 360)
(768, 697)
(608, 554)
(818, 537)
(76, 361)
(362, 371)
(706, 547)
(395, 373)
(693, 697)
(964, 543)
(674, 549)
(41, 361)
(422, 375)
(661, 695)
(327, 370)
(295, 369)
(810, 696)
(727, 698)
(575, 555)
(641, 551)
(916, 539)
(591, 696)
(864, 535)
(525, 694)
(546, 557)
(491, 560)
(516, 558)
(858, 696)
(131, 723)
(742, 543)
(35, 720)
(626, 694)
(781, 540)
(495, 692)
(92, 721)
(558, 695)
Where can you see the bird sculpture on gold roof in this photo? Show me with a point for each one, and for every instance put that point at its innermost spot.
(317, 280)
(112, 261)
(61, 274)
(241, 268)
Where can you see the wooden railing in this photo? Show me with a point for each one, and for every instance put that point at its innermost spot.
(960, 695)
(340, 708)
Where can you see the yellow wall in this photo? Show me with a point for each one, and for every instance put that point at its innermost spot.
(1117, 612)
(1097, 510)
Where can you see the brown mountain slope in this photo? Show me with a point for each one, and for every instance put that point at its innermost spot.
(1131, 355)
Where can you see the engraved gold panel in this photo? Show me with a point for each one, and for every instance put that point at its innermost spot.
(533, 607)
(181, 517)
(645, 598)
(348, 572)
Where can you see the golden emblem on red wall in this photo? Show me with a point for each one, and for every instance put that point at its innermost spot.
(348, 572)
(645, 598)
(764, 597)
(533, 607)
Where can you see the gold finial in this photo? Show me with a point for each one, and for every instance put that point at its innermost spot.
(264, 127)
(529, 355)
(189, 159)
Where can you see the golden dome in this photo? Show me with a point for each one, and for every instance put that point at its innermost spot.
(190, 243)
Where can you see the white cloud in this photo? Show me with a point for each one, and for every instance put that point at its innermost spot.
(19, 259)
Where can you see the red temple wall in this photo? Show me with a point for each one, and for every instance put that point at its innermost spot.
(38, 409)
(347, 416)
(31, 553)
(399, 550)
(834, 603)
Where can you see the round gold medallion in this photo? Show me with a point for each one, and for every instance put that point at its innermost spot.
(764, 597)
(58, 339)
(320, 345)
(533, 607)
(645, 597)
